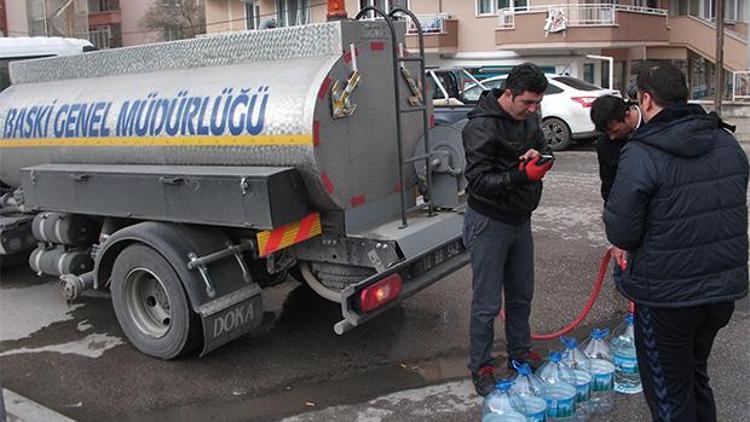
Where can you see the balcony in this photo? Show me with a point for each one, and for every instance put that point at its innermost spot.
(440, 34)
(104, 12)
(699, 35)
(582, 25)
(105, 37)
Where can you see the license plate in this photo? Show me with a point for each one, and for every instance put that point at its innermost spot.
(437, 257)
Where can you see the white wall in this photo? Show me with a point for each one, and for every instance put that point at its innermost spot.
(18, 21)
(133, 33)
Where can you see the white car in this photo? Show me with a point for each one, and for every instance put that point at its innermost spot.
(565, 107)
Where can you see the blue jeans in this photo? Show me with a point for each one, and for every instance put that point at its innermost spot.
(502, 260)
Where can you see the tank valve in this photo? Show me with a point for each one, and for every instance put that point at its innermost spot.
(73, 285)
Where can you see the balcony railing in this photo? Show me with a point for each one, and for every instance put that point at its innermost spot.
(741, 86)
(101, 38)
(431, 24)
(585, 15)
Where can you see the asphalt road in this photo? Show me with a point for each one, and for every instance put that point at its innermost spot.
(407, 365)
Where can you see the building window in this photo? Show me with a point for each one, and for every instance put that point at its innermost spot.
(520, 5)
(485, 7)
(172, 32)
(96, 6)
(647, 3)
(588, 72)
(491, 7)
(730, 10)
(252, 15)
(292, 12)
(384, 5)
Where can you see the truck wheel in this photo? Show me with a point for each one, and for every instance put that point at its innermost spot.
(557, 133)
(151, 305)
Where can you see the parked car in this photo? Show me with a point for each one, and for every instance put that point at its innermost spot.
(446, 85)
(565, 108)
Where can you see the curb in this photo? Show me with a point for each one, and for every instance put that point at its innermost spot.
(15, 407)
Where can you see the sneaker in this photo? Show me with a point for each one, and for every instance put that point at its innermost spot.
(484, 380)
(532, 358)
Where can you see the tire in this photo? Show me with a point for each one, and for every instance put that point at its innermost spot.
(339, 277)
(557, 133)
(151, 305)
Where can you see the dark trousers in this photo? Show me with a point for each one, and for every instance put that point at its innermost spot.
(673, 346)
(502, 260)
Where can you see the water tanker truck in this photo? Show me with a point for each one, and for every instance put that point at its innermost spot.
(185, 177)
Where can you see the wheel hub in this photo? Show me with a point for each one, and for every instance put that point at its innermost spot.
(148, 302)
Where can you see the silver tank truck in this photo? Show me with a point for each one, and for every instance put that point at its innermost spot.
(187, 176)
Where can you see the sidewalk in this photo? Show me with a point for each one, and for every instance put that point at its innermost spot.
(18, 408)
(456, 401)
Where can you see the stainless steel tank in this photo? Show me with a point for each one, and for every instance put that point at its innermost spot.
(258, 98)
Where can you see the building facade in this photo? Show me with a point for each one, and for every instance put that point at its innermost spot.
(596, 40)
(60, 18)
(106, 23)
(587, 39)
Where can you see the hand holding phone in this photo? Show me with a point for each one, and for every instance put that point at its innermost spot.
(536, 169)
(544, 158)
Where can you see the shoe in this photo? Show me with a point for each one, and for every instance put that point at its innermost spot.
(484, 380)
(532, 358)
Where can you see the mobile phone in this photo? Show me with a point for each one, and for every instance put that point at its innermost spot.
(544, 158)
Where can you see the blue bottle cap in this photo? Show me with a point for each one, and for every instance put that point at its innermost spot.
(503, 384)
(523, 369)
(555, 356)
(629, 319)
(569, 342)
(599, 333)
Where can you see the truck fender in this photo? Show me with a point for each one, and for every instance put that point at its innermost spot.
(236, 306)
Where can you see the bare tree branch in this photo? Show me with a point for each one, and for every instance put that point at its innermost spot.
(175, 19)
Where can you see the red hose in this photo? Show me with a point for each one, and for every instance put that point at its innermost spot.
(592, 298)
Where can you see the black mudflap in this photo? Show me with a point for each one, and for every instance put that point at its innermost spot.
(231, 316)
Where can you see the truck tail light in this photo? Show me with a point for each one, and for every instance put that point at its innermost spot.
(584, 101)
(380, 293)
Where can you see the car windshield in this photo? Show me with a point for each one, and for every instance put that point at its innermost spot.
(472, 94)
(577, 83)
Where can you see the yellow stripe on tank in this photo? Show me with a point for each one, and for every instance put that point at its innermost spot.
(156, 141)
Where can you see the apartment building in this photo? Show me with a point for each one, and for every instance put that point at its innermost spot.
(106, 23)
(583, 38)
(63, 18)
(591, 39)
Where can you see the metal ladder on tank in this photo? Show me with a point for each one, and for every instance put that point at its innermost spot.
(398, 61)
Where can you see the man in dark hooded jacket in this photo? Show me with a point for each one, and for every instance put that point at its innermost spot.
(679, 207)
(504, 145)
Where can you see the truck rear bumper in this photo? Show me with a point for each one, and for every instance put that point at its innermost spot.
(417, 273)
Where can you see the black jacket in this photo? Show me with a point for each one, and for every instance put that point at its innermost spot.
(679, 206)
(493, 141)
(608, 155)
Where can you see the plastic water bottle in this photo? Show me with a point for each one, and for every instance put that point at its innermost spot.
(602, 371)
(627, 379)
(576, 360)
(559, 389)
(503, 405)
(530, 388)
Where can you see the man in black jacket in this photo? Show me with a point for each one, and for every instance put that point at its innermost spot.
(617, 119)
(679, 207)
(504, 145)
